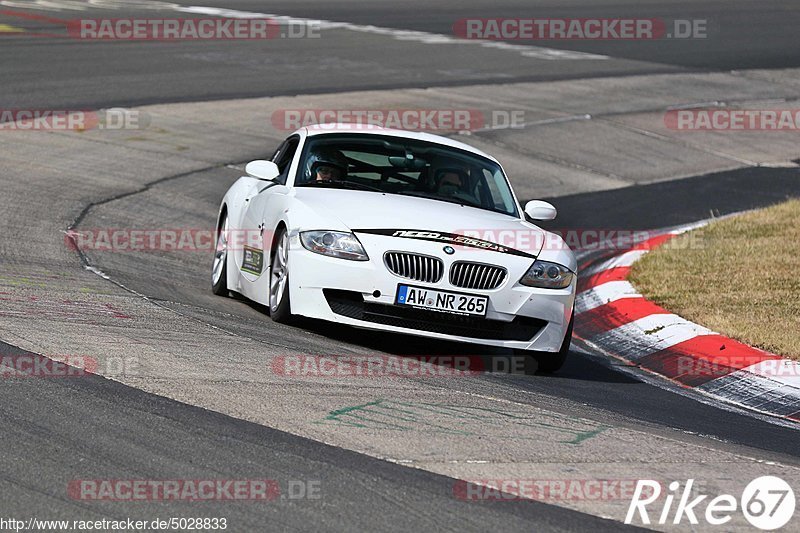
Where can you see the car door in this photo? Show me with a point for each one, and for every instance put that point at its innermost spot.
(261, 212)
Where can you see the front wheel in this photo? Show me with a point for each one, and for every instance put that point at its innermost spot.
(280, 308)
(549, 362)
(219, 270)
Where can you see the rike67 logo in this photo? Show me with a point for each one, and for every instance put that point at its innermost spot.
(767, 503)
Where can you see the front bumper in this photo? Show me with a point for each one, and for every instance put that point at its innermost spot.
(362, 294)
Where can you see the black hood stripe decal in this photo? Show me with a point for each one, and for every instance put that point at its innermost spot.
(446, 238)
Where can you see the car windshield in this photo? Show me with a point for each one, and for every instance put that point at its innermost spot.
(395, 165)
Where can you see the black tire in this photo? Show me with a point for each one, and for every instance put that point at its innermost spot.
(282, 311)
(548, 362)
(219, 285)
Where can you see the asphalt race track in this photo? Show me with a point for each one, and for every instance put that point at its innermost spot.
(745, 34)
(186, 386)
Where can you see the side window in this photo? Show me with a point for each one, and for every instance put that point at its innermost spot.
(283, 157)
(499, 193)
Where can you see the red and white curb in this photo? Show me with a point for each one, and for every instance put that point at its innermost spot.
(612, 317)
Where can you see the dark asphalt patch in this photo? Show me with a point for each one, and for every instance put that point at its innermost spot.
(670, 203)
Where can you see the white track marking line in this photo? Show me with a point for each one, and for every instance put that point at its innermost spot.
(537, 52)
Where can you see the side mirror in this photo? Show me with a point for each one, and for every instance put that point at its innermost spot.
(539, 210)
(263, 170)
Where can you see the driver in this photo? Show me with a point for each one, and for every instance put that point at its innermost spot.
(326, 164)
(449, 183)
(452, 182)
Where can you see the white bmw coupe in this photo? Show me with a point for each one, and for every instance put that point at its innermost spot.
(397, 231)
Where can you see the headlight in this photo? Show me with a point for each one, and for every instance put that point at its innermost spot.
(547, 275)
(335, 244)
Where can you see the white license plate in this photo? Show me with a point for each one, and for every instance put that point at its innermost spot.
(444, 301)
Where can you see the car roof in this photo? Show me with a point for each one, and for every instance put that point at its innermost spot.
(360, 129)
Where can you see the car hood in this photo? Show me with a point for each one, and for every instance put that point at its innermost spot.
(423, 218)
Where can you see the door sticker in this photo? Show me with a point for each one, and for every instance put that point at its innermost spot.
(253, 261)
